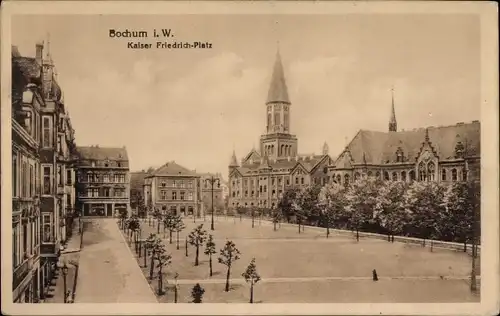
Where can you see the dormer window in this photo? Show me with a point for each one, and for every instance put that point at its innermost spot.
(459, 150)
(399, 155)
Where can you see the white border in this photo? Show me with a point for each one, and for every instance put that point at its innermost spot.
(487, 11)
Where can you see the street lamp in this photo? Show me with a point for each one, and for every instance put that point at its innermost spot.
(64, 269)
(212, 181)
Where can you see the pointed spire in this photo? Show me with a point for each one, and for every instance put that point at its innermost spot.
(325, 149)
(427, 134)
(278, 91)
(393, 125)
(234, 161)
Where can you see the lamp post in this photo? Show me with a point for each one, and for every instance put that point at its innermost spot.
(64, 270)
(212, 181)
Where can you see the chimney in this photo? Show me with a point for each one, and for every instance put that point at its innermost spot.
(39, 52)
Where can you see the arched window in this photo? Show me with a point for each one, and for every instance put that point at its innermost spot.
(356, 176)
(339, 179)
(286, 120)
(277, 119)
(377, 175)
(369, 174)
(464, 174)
(403, 176)
(443, 175)
(386, 176)
(431, 170)
(394, 176)
(346, 179)
(282, 150)
(412, 175)
(421, 172)
(269, 120)
(454, 176)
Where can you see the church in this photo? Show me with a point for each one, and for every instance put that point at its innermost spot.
(264, 174)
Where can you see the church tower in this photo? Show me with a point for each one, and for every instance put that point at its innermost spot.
(393, 125)
(277, 142)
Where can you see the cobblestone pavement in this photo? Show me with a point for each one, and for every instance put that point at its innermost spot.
(108, 271)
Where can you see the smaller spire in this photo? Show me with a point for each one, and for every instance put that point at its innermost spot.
(234, 161)
(393, 125)
(325, 149)
(427, 134)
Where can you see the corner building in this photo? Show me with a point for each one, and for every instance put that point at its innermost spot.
(265, 173)
(103, 185)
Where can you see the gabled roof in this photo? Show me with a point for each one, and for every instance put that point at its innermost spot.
(171, 168)
(278, 91)
(381, 147)
(308, 162)
(137, 180)
(102, 153)
(253, 153)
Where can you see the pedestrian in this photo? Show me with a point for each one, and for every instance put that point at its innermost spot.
(375, 277)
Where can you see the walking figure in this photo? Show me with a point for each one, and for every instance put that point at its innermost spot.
(375, 277)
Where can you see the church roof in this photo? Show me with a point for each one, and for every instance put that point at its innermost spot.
(278, 91)
(381, 147)
(102, 153)
(283, 164)
(171, 168)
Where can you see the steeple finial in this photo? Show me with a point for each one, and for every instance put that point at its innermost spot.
(234, 161)
(278, 91)
(393, 125)
(427, 134)
(325, 149)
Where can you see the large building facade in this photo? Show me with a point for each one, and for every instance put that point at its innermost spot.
(442, 153)
(174, 188)
(43, 190)
(103, 181)
(265, 174)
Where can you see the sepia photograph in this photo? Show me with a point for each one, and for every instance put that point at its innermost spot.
(258, 158)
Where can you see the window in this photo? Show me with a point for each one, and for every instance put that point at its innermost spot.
(182, 195)
(302, 180)
(122, 178)
(181, 182)
(274, 193)
(296, 180)
(370, 174)
(190, 184)
(394, 176)
(105, 178)
(190, 196)
(443, 175)
(163, 194)
(246, 193)
(105, 192)
(279, 180)
(95, 192)
(346, 179)
(15, 261)
(253, 193)
(117, 178)
(89, 192)
(356, 176)
(454, 176)
(60, 175)
(119, 164)
(174, 183)
(421, 172)
(47, 228)
(32, 182)
(272, 181)
(47, 187)
(287, 181)
(25, 239)
(403, 176)
(47, 132)
(386, 176)
(14, 175)
(174, 195)
(163, 184)
(68, 177)
(97, 178)
(431, 170)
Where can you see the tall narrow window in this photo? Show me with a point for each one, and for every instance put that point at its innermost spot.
(454, 176)
(47, 187)
(14, 175)
(403, 176)
(25, 239)
(174, 195)
(443, 175)
(32, 182)
(346, 179)
(15, 249)
(421, 172)
(47, 135)
(182, 195)
(47, 228)
(386, 176)
(431, 170)
(68, 177)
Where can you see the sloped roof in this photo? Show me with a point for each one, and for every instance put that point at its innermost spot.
(308, 162)
(381, 147)
(171, 168)
(278, 91)
(28, 66)
(102, 153)
(137, 180)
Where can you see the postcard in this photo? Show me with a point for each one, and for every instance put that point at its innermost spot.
(241, 157)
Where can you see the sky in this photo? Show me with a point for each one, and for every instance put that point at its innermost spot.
(196, 106)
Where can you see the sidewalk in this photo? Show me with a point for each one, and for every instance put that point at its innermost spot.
(109, 272)
(69, 255)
